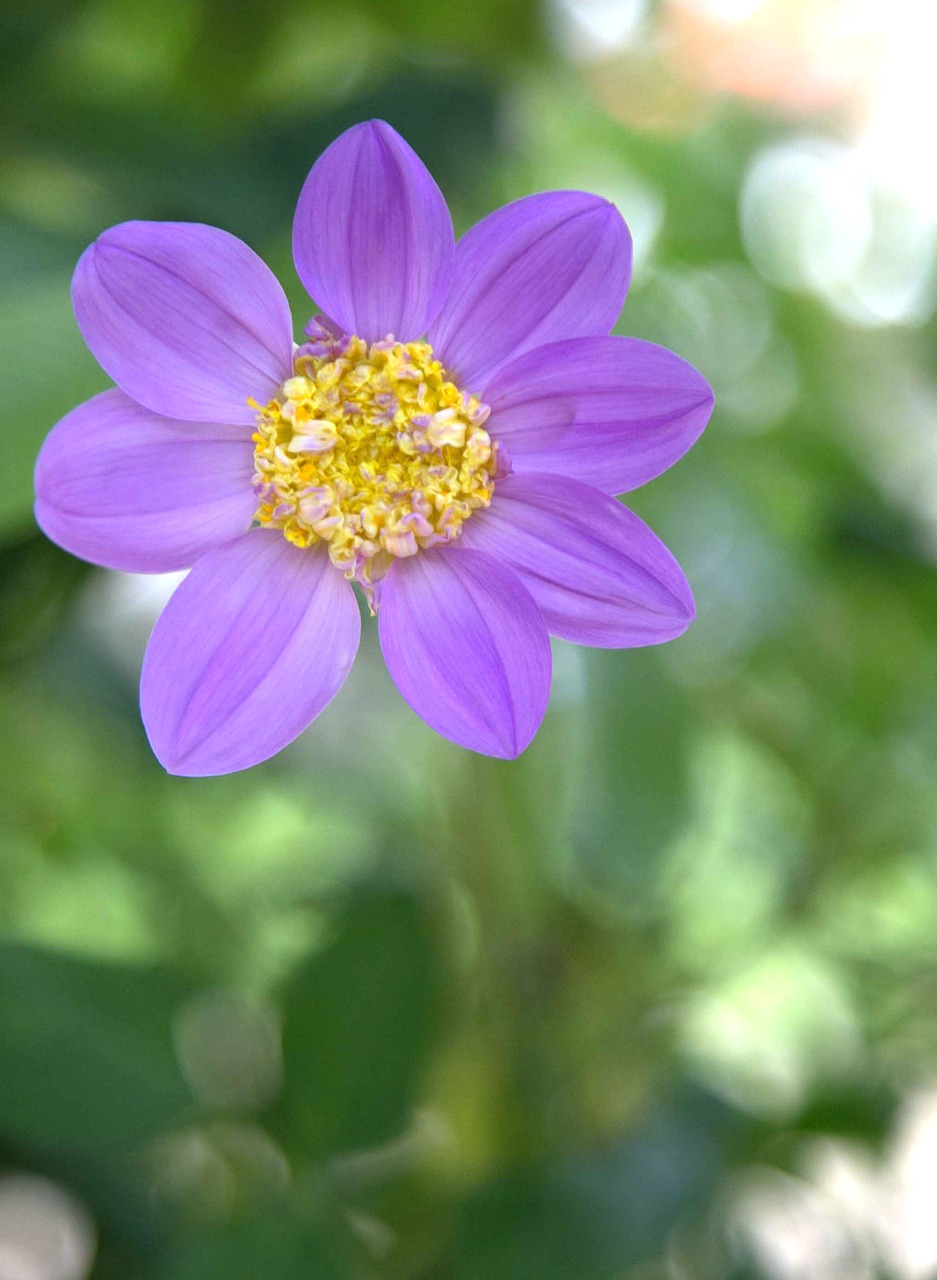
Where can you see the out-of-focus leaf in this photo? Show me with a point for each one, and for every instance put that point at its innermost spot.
(86, 1056)
(863, 1110)
(493, 27)
(634, 796)
(279, 1245)
(598, 1216)
(53, 371)
(539, 1227)
(358, 1020)
(37, 580)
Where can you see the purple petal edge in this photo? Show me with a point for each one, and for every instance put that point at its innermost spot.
(547, 267)
(372, 236)
(185, 318)
(600, 576)
(252, 646)
(612, 412)
(467, 648)
(125, 488)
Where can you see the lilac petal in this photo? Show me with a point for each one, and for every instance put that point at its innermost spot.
(185, 318)
(546, 267)
(372, 238)
(598, 573)
(614, 412)
(121, 486)
(254, 643)
(467, 648)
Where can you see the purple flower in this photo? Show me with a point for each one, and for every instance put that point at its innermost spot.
(450, 437)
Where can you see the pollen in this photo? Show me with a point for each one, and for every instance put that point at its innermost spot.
(373, 450)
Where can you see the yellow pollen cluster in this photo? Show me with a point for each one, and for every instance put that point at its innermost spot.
(373, 450)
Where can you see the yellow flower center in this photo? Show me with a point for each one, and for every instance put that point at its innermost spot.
(373, 450)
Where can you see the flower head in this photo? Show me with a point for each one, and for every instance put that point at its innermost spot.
(449, 436)
(372, 450)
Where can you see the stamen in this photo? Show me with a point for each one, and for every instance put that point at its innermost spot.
(373, 450)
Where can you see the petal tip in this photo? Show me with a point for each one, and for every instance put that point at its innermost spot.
(377, 125)
(372, 235)
(685, 613)
(514, 749)
(498, 742)
(506, 741)
(250, 649)
(90, 260)
(468, 650)
(183, 767)
(697, 383)
(42, 514)
(364, 129)
(187, 319)
(600, 209)
(683, 602)
(196, 758)
(118, 238)
(166, 751)
(112, 233)
(604, 208)
(83, 267)
(614, 224)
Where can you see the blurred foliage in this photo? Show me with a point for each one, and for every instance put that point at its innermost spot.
(381, 1008)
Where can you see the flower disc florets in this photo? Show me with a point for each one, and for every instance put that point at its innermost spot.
(372, 449)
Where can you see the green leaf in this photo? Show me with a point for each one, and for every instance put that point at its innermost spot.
(601, 1213)
(280, 1245)
(359, 1018)
(531, 1226)
(86, 1056)
(54, 371)
(634, 798)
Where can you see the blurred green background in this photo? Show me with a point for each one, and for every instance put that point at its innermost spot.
(656, 1002)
